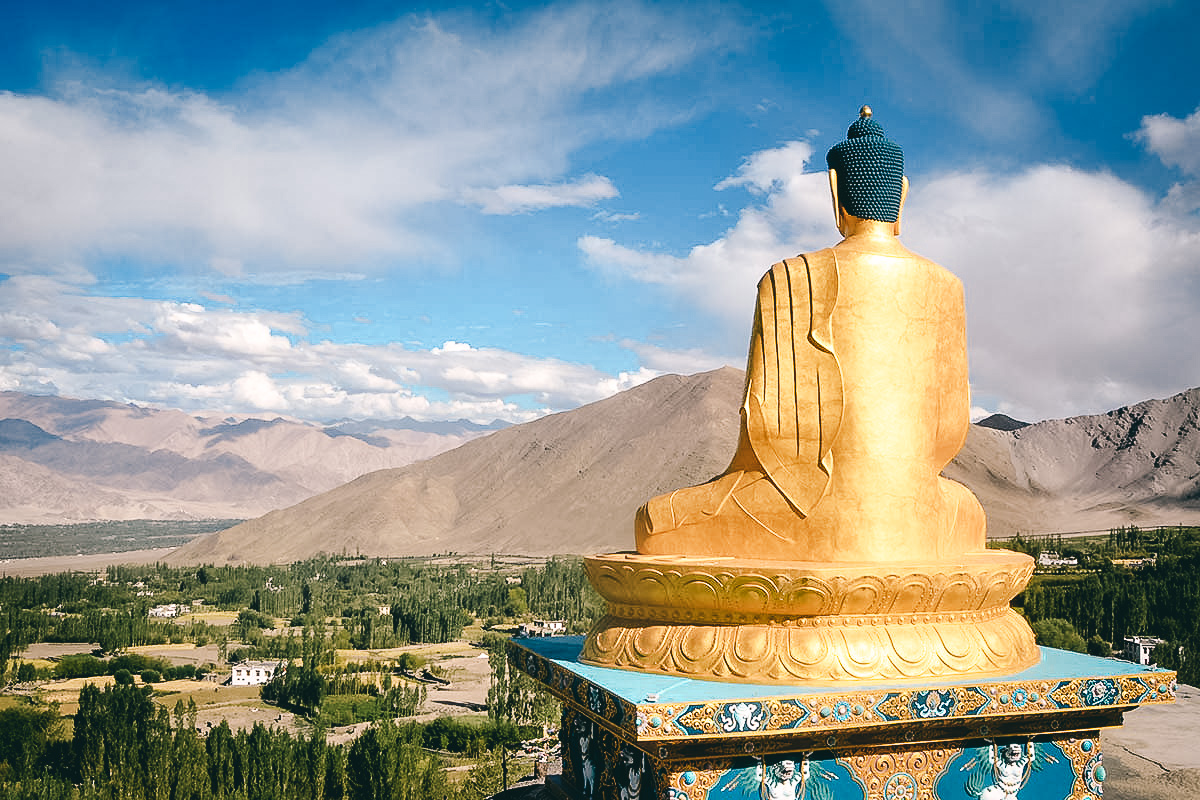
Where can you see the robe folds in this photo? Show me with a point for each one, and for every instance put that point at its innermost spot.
(793, 402)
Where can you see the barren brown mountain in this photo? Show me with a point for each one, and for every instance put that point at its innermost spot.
(64, 460)
(569, 483)
(566, 483)
(1136, 465)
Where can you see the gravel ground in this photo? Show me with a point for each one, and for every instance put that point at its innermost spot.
(1156, 754)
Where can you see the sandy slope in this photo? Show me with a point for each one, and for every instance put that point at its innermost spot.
(567, 483)
(1136, 465)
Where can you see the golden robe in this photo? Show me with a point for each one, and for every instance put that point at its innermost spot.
(856, 398)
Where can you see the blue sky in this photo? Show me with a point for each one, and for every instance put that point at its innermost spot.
(495, 211)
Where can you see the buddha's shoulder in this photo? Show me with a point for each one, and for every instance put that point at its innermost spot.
(891, 256)
(887, 258)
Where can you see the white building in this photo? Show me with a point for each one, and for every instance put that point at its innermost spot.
(1136, 563)
(166, 611)
(255, 673)
(1138, 648)
(1049, 558)
(544, 627)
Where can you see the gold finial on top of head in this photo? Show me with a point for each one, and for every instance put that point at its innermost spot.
(864, 112)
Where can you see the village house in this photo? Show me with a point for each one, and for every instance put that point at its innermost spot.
(165, 611)
(1136, 563)
(255, 673)
(1138, 649)
(543, 627)
(1049, 558)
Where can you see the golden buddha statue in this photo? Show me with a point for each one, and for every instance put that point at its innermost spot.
(831, 548)
(856, 399)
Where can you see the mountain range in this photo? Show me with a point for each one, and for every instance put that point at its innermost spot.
(570, 482)
(565, 483)
(65, 460)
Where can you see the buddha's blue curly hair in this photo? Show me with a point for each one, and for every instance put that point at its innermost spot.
(870, 168)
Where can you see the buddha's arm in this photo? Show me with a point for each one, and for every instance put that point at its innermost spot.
(954, 401)
(793, 402)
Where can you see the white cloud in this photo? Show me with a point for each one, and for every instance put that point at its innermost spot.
(922, 50)
(769, 170)
(936, 55)
(1175, 141)
(256, 390)
(1073, 40)
(616, 216)
(189, 356)
(641, 266)
(191, 327)
(682, 362)
(1076, 286)
(794, 217)
(484, 372)
(1081, 288)
(338, 161)
(978, 413)
(625, 380)
(517, 199)
(358, 159)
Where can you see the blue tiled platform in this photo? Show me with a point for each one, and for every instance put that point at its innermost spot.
(1033, 734)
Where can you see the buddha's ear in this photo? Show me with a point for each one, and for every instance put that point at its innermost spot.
(837, 209)
(903, 194)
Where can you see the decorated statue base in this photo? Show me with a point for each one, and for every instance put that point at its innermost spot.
(1033, 734)
(756, 621)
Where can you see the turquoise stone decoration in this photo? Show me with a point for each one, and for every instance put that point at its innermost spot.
(1033, 735)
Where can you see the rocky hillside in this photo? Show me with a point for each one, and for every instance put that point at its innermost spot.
(64, 460)
(1135, 465)
(566, 483)
(569, 483)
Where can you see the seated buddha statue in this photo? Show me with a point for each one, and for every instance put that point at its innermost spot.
(856, 398)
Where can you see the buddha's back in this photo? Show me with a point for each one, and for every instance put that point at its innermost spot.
(898, 336)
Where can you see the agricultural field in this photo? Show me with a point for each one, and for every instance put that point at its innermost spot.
(405, 656)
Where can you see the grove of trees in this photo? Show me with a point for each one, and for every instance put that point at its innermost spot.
(421, 602)
(123, 743)
(1106, 602)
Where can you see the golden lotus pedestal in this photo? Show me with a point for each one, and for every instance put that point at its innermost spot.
(1033, 734)
(771, 621)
